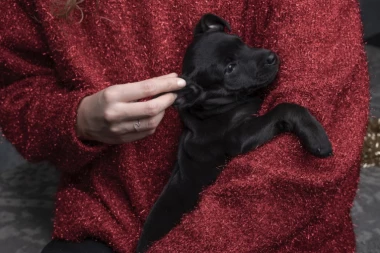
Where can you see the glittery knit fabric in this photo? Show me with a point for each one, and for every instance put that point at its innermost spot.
(278, 198)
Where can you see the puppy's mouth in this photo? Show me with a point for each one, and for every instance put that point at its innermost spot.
(263, 83)
(267, 80)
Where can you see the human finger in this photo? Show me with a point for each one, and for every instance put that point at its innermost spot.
(138, 125)
(145, 89)
(139, 110)
(129, 137)
(167, 76)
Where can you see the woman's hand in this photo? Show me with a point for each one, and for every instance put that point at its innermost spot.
(112, 116)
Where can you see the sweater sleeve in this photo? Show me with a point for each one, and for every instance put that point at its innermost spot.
(38, 112)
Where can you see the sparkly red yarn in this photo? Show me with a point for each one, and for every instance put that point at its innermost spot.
(277, 198)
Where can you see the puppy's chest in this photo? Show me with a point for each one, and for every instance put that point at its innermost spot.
(211, 137)
(202, 145)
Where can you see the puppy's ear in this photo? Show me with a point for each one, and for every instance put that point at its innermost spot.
(189, 95)
(211, 22)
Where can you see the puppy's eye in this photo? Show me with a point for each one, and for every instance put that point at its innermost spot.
(230, 68)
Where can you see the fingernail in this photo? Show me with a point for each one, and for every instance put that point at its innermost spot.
(181, 83)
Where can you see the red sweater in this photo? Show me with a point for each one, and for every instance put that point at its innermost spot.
(278, 198)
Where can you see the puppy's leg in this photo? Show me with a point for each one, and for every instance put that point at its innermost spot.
(286, 117)
(179, 196)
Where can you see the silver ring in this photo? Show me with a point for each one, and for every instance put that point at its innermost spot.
(137, 125)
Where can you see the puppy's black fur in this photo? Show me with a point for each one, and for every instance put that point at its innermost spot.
(217, 108)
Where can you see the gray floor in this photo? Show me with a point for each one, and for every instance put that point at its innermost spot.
(26, 205)
(27, 193)
(373, 56)
(370, 17)
(366, 209)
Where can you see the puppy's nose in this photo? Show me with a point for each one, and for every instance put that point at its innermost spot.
(271, 59)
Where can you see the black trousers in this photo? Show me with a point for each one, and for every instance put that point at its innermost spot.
(87, 246)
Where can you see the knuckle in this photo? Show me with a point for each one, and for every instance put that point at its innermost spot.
(109, 95)
(150, 132)
(114, 130)
(152, 108)
(149, 87)
(151, 124)
(109, 115)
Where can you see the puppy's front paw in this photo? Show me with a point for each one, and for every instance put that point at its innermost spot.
(318, 143)
(323, 150)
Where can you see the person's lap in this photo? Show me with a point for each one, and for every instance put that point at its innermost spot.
(87, 246)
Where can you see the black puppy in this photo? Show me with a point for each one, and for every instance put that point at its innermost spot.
(217, 108)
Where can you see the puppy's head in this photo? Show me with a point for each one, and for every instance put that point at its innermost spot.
(219, 65)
